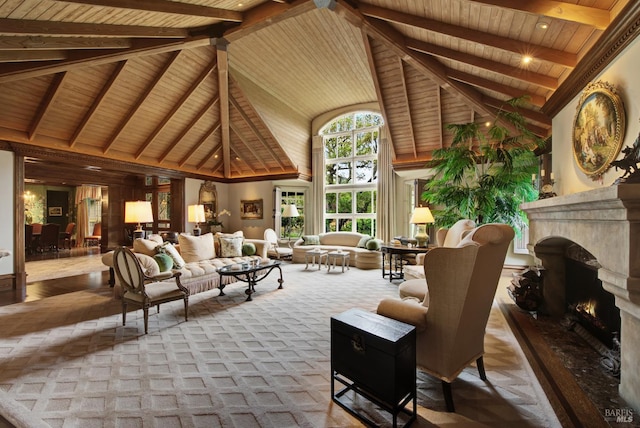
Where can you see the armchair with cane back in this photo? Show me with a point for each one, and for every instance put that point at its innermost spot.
(452, 317)
(143, 291)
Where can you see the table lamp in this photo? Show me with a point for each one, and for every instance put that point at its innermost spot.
(420, 217)
(289, 211)
(138, 212)
(195, 213)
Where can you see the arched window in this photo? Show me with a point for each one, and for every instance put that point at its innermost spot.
(351, 172)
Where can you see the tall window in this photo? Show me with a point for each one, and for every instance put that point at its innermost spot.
(294, 226)
(351, 172)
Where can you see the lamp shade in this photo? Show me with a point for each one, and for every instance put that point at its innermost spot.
(138, 212)
(195, 213)
(421, 215)
(290, 211)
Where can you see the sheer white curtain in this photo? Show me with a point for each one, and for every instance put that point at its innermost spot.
(317, 196)
(386, 188)
(84, 196)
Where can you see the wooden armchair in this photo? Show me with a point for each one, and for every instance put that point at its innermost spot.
(451, 318)
(143, 291)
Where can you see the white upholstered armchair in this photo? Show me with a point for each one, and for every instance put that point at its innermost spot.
(451, 318)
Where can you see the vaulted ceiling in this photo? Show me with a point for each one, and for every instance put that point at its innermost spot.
(227, 91)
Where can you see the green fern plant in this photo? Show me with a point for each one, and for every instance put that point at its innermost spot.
(486, 173)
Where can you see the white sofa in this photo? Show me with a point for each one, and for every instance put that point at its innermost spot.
(201, 255)
(352, 242)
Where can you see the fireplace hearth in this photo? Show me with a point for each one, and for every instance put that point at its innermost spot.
(605, 222)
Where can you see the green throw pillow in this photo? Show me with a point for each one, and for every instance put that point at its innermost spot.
(311, 240)
(248, 249)
(373, 244)
(165, 262)
(362, 243)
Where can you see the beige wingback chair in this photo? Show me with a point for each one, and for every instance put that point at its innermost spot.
(461, 283)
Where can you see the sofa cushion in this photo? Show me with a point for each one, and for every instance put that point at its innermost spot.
(178, 261)
(165, 262)
(457, 232)
(373, 244)
(196, 248)
(362, 243)
(248, 249)
(311, 240)
(145, 246)
(231, 247)
(147, 263)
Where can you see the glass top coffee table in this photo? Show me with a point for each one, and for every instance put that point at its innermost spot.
(250, 273)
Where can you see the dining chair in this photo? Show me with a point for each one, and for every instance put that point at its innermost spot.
(96, 237)
(65, 237)
(49, 237)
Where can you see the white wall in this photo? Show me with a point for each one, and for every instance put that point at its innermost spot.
(7, 211)
(622, 74)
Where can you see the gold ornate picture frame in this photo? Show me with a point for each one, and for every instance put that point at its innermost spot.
(208, 197)
(598, 129)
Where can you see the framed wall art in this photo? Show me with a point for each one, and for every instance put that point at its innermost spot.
(251, 209)
(55, 211)
(598, 129)
(208, 197)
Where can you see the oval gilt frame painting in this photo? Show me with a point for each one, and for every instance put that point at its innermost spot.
(598, 129)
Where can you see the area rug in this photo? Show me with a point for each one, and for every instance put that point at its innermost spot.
(67, 361)
(40, 270)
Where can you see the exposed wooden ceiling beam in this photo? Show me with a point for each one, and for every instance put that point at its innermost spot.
(86, 59)
(21, 43)
(556, 56)
(212, 130)
(141, 99)
(47, 101)
(29, 56)
(407, 107)
(376, 82)
(190, 125)
(223, 90)
(97, 102)
(497, 67)
(248, 146)
(266, 14)
(423, 63)
(621, 33)
(195, 84)
(166, 6)
(42, 28)
(597, 18)
(526, 113)
(512, 92)
(257, 133)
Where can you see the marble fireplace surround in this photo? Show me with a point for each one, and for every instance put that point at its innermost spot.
(606, 222)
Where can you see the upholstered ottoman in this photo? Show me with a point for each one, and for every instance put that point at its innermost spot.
(416, 288)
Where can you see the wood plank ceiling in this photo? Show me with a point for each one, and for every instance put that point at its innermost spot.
(224, 90)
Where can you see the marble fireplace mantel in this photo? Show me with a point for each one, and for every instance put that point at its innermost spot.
(606, 222)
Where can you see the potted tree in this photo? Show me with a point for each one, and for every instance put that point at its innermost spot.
(486, 173)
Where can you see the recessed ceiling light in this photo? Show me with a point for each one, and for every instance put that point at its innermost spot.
(527, 59)
(487, 124)
(542, 25)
